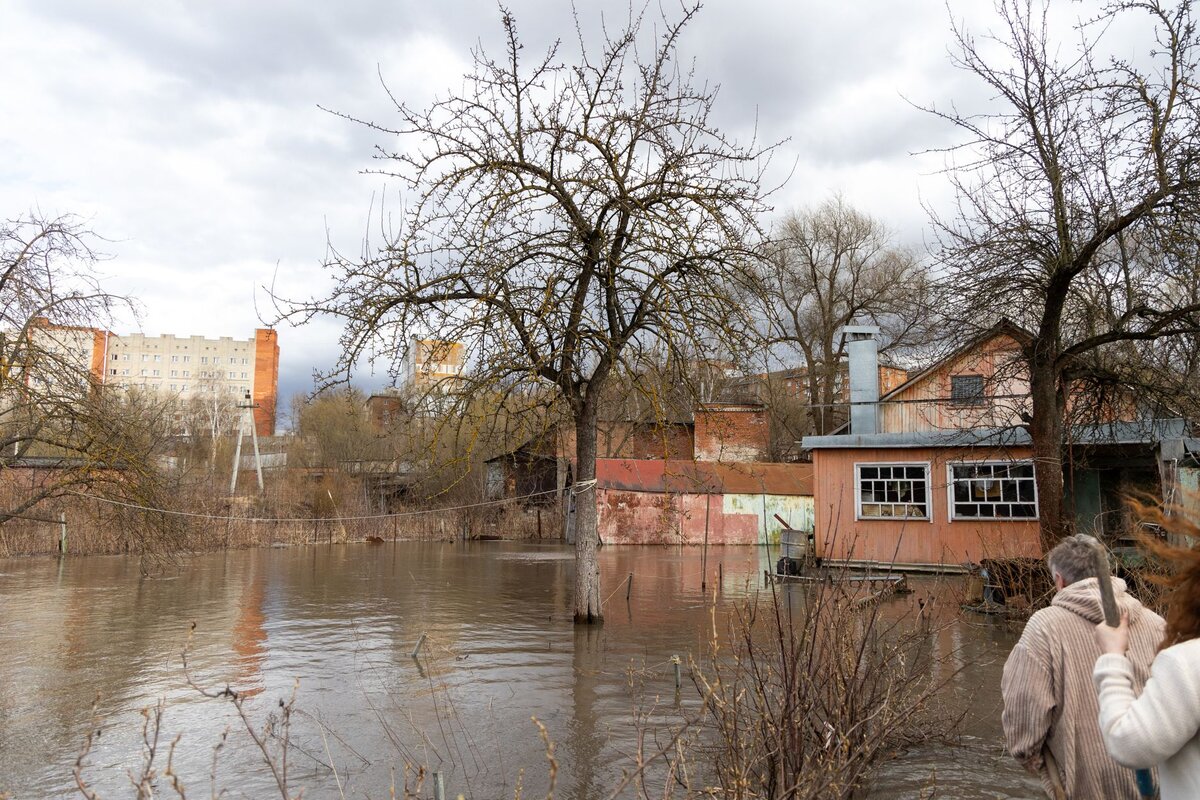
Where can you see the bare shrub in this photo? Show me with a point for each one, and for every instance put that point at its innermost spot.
(810, 697)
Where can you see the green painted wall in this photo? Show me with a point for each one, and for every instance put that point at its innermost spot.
(797, 510)
(1084, 496)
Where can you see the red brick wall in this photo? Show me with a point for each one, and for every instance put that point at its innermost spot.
(646, 441)
(99, 354)
(732, 433)
(266, 380)
(382, 409)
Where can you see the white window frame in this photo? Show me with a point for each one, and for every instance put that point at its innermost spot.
(926, 465)
(1037, 509)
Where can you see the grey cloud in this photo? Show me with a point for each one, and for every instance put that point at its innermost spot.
(191, 130)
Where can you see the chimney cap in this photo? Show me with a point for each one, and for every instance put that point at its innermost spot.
(866, 330)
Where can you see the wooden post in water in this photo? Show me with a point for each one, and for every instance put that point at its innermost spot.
(678, 672)
(62, 532)
(721, 576)
(704, 554)
(628, 587)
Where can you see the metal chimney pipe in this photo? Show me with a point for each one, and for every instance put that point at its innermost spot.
(862, 347)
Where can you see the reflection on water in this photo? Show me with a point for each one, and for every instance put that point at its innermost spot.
(343, 620)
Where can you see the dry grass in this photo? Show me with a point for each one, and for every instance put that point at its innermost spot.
(809, 697)
(293, 510)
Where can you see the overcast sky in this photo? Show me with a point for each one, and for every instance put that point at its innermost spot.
(189, 133)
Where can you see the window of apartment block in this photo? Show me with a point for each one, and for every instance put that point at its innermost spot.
(993, 490)
(125, 356)
(892, 491)
(156, 374)
(245, 375)
(174, 373)
(113, 372)
(173, 387)
(143, 372)
(204, 359)
(187, 359)
(966, 390)
(245, 361)
(145, 357)
(187, 374)
(124, 372)
(114, 356)
(174, 359)
(157, 357)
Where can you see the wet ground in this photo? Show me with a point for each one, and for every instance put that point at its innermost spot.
(343, 620)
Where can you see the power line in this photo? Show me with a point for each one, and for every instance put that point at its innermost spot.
(224, 518)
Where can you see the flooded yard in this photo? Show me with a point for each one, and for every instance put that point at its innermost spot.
(341, 622)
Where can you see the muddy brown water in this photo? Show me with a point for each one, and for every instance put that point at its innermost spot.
(341, 621)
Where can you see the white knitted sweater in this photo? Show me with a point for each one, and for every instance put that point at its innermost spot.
(1161, 727)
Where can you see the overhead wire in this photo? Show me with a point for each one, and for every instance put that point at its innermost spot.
(227, 518)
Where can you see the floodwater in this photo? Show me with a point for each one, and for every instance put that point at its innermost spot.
(338, 624)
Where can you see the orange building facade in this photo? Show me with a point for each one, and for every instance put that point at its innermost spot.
(938, 472)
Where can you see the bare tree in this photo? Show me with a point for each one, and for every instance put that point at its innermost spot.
(564, 217)
(335, 430)
(1078, 198)
(829, 267)
(53, 409)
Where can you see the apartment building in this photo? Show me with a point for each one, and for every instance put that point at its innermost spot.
(185, 366)
(433, 364)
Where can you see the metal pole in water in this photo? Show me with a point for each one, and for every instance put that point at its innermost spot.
(62, 532)
(417, 650)
(439, 787)
(678, 672)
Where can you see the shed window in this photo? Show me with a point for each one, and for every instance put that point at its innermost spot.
(1001, 490)
(966, 390)
(892, 491)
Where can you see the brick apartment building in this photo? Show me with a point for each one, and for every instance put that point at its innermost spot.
(184, 366)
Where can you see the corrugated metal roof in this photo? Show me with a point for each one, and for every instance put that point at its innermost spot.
(699, 477)
(1149, 431)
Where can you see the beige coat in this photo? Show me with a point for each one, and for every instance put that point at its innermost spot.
(1049, 699)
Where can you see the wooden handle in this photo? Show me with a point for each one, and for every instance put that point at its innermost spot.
(1108, 602)
(1060, 792)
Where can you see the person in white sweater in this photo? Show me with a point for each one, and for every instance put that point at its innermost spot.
(1161, 726)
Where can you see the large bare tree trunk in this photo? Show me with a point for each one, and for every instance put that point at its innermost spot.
(1046, 431)
(587, 536)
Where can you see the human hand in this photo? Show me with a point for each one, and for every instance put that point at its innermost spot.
(1114, 640)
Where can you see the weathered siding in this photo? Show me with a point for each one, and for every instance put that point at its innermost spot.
(1189, 493)
(635, 517)
(924, 405)
(937, 541)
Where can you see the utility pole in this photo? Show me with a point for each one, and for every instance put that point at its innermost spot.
(246, 418)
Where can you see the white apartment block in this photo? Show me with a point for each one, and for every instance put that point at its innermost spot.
(183, 366)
